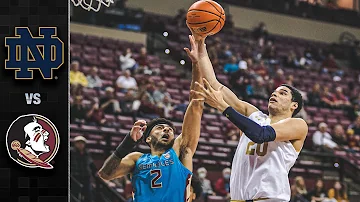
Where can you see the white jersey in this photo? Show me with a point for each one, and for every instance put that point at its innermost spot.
(261, 170)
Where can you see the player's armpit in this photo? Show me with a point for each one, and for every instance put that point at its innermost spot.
(115, 167)
(290, 129)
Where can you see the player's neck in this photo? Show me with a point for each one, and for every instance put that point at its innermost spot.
(278, 117)
(157, 152)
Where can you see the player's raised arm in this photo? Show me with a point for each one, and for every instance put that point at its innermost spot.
(207, 71)
(122, 162)
(285, 130)
(189, 138)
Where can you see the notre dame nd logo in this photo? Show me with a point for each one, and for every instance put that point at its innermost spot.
(27, 53)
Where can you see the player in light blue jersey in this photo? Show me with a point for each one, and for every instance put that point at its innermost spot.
(164, 174)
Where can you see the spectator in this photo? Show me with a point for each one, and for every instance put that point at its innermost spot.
(143, 61)
(93, 79)
(95, 114)
(339, 99)
(127, 62)
(259, 89)
(126, 82)
(338, 192)
(261, 70)
(82, 167)
(108, 103)
(206, 183)
(77, 78)
(339, 135)
(298, 190)
(229, 22)
(318, 194)
(279, 78)
(148, 105)
(222, 186)
(213, 54)
(270, 53)
(231, 66)
(180, 18)
(166, 106)
(260, 32)
(127, 104)
(77, 110)
(314, 95)
(226, 53)
(329, 65)
(195, 189)
(326, 97)
(161, 92)
(322, 139)
(292, 60)
(354, 111)
(356, 126)
(290, 80)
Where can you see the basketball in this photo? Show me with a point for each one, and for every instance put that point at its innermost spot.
(205, 17)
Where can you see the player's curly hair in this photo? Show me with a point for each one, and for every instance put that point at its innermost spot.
(196, 185)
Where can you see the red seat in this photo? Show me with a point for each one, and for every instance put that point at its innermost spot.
(89, 93)
(90, 50)
(210, 117)
(110, 118)
(90, 128)
(125, 120)
(106, 52)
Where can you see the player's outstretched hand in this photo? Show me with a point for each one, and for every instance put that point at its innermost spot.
(197, 37)
(137, 130)
(212, 97)
(197, 51)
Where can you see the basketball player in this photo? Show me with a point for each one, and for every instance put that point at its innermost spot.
(165, 173)
(271, 143)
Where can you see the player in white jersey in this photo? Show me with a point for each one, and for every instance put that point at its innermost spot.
(270, 143)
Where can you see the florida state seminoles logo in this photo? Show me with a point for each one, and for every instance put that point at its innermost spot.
(32, 141)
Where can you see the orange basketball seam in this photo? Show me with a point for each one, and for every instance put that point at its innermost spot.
(197, 23)
(212, 28)
(206, 12)
(215, 8)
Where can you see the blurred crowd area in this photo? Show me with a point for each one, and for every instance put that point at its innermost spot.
(113, 83)
(345, 12)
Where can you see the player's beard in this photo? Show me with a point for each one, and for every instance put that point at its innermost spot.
(158, 145)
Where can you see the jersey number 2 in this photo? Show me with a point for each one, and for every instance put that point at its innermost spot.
(259, 151)
(154, 184)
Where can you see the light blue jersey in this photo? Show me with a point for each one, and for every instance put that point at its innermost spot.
(160, 179)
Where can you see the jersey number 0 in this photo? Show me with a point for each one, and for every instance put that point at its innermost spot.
(157, 176)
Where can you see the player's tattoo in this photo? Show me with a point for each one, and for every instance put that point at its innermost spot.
(111, 164)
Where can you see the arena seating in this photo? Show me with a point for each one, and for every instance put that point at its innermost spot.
(215, 150)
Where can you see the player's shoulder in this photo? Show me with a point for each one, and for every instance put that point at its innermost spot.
(258, 115)
(300, 121)
(135, 155)
(300, 125)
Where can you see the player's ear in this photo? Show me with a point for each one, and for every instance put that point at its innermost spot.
(193, 196)
(148, 139)
(295, 105)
